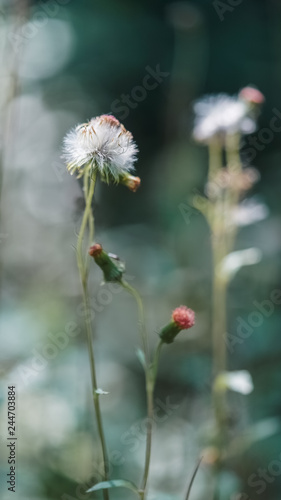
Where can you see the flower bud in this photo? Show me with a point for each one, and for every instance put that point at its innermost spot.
(252, 95)
(132, 182)
(112, 269)
(182, 319)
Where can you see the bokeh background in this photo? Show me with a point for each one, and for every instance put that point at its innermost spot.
(62, 62)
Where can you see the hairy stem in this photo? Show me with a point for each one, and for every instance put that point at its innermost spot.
(143, 331)
(223, 238)
(218, 224)
(151, 375)
(149, 425)
(235, 166)
(88, 220)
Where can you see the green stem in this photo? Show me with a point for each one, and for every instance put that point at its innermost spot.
(234, 165)
(139, 302)
(149, 399)
(151, 375)
(149, 385)
(94, 389)
(156, 359)
(218, 224)
(216, 218)
(89, 187)
(87, 216)
(215, 159)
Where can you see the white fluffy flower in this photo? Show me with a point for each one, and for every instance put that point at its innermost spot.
(218, 115)
(103, 143)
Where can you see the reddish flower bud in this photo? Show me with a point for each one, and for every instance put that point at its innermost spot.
(112, 268)
(252, 95)
(132, 182)
(183, 317)
(95, 250)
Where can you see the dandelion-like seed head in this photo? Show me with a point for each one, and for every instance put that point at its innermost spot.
(183, 317)
(219, 115)
(104, 144)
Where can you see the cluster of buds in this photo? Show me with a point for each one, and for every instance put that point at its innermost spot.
(241, 181)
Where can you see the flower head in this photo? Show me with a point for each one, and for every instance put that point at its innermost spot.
(182, 319)
(218, 115)
(103, 143)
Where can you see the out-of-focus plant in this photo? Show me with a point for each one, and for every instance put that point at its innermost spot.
(220, 123)
(103, 148)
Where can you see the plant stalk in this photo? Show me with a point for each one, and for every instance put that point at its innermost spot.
(88, 220)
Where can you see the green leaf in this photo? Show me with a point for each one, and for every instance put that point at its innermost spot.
(115, 483)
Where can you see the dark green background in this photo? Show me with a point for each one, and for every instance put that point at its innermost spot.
(74, 67)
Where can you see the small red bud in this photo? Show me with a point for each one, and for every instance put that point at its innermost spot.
(95, 250)
(184, 317)
(132, 182)
(252, 95)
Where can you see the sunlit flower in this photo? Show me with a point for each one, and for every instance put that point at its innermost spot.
(103, 143)
(238, 381)
(218, 115)
(183, 318)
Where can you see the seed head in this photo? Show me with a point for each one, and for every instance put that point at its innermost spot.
(105, 144)
(219, 115)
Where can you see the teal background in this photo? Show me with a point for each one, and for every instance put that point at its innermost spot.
(74, 60)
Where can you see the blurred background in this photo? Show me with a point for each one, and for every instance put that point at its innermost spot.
(63, 62)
